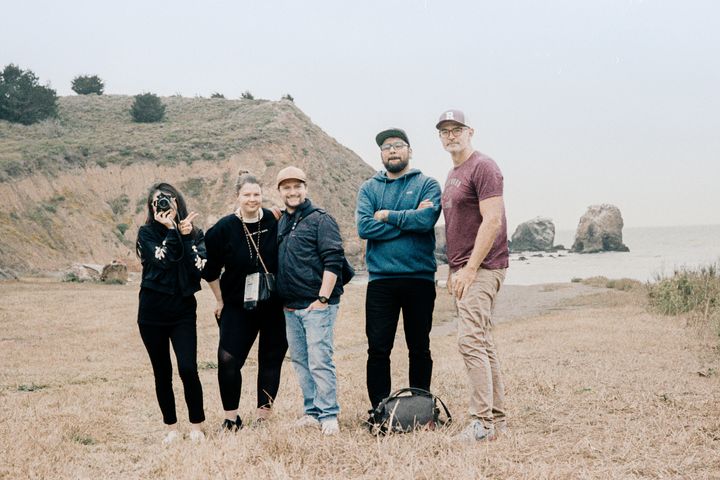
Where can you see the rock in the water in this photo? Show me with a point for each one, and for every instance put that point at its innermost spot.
(440, 245)
(600, 230)
(534, 235)
(115, 272)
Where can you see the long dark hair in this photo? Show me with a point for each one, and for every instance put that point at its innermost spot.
(167, 189)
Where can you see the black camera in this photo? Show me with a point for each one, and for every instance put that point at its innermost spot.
(163, 202)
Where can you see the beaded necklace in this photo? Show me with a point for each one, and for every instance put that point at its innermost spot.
(249, 240)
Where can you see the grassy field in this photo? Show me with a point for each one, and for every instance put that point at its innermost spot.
(598, 388)
(99, 130)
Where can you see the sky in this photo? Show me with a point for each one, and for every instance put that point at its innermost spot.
(578, 102)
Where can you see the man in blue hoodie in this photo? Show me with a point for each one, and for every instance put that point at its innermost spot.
(396, 214)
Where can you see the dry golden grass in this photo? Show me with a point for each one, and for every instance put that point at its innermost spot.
(600, 389)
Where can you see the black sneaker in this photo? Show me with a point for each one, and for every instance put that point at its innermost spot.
(231, 426)
(373, 425)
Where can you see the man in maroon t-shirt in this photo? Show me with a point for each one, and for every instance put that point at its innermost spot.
(477, 251)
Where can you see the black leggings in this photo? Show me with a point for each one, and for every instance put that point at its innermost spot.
(157, 339)
(238, 330)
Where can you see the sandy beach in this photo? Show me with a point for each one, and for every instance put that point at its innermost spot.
(597, 388)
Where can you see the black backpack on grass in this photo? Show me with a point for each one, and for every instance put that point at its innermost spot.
(406, 410)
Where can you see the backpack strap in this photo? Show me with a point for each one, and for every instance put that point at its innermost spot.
(447, 412)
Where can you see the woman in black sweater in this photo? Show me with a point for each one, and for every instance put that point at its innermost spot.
(230, 246)
(173, 256)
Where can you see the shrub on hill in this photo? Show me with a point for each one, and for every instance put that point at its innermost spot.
(87, 84)
(246, 95)
(147, 108)
(288, 97)
(217, 95)
(22, 99)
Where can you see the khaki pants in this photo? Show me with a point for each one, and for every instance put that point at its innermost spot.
(477, 346)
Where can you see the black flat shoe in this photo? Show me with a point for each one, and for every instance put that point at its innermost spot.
(231, 426)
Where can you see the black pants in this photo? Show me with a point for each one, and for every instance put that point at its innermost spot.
(183, 336)
(238, 330)
(383, 303)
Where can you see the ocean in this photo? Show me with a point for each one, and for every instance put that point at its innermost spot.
(653, 251)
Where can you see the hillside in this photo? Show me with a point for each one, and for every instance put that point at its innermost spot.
(73, 189)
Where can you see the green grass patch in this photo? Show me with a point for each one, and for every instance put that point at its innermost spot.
(32, 387)
(119, 204)
(193, 187)
(622, 284)
(691, 292)
(83, 439)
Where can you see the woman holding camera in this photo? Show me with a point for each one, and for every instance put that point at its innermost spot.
(244, 243)
(173, 256)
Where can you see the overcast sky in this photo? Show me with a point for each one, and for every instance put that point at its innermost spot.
(579, 102)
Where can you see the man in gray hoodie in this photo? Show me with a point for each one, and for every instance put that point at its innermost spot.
(396, 213)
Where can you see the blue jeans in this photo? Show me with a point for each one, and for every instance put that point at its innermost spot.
(310, 341)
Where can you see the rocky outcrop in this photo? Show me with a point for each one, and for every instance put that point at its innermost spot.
(115, 272)
(84, 272)
(535, 235)
(600, 230)
(7, 274)
(440, 244)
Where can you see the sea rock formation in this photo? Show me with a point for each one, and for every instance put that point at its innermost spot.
(440, 245)
(600, 230)
(535, 235)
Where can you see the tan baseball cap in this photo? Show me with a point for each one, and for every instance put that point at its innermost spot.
(291, 173)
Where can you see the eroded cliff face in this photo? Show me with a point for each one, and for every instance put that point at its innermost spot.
(89, 211)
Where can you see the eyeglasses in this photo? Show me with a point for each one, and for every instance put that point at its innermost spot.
(457, 131)
(396, 146)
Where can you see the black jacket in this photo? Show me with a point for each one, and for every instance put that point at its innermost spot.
(228, 248)
(309, 243)
(170, 265)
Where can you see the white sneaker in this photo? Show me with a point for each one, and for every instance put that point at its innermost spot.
(197, 436)
(476, 432)
(307, 421)
(501, 430)
(171, 437)
(330, 427)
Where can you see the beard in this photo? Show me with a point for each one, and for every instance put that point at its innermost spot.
(396, 164)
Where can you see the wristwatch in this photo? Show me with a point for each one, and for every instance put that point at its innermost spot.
(322, 299)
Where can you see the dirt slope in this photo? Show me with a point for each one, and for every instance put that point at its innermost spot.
(73, 189)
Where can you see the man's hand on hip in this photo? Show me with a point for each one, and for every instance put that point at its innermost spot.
(462, 279)
(317, 305)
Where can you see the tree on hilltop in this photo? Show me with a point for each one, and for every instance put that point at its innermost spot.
(147, 108)
(217, 95)
(289, 97)
(246, 95)
(86, 85)
(22, 99)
